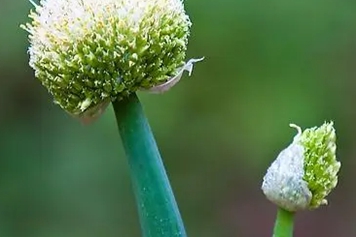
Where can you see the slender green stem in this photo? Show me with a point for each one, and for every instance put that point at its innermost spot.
(158, 210)
(284, 223)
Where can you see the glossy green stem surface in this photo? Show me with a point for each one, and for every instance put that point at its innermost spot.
(158, 210)
(284, 223)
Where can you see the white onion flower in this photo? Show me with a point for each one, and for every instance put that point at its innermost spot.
(305, 172)
(89, 52)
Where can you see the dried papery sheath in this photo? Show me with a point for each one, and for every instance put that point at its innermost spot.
(305, 172)
(87, 52)
(283, 183)
(161, 88)
(93, 113)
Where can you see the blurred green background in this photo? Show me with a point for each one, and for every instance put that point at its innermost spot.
(268, 63)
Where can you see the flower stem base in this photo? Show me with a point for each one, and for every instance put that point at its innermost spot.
(284, 223)
(158, 210)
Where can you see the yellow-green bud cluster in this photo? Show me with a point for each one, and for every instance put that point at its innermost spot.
(88, 52)
(320, 164)
(305, 172)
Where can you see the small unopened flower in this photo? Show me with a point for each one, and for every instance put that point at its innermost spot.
(305, 172)
(90, 52)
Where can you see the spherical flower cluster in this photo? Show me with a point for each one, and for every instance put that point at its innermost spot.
(89, 52)
(305, 172)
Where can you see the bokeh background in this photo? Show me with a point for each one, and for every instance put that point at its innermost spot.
(268, 63)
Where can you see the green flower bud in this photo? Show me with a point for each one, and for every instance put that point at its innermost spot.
(89, 52)
(305, 172)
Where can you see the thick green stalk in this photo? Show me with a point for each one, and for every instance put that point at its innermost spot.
(284, 223)
(158, 210)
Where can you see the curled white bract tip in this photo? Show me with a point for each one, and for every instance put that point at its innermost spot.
(299, 130)
(292, 125)
(161, 88)
(33, 3)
